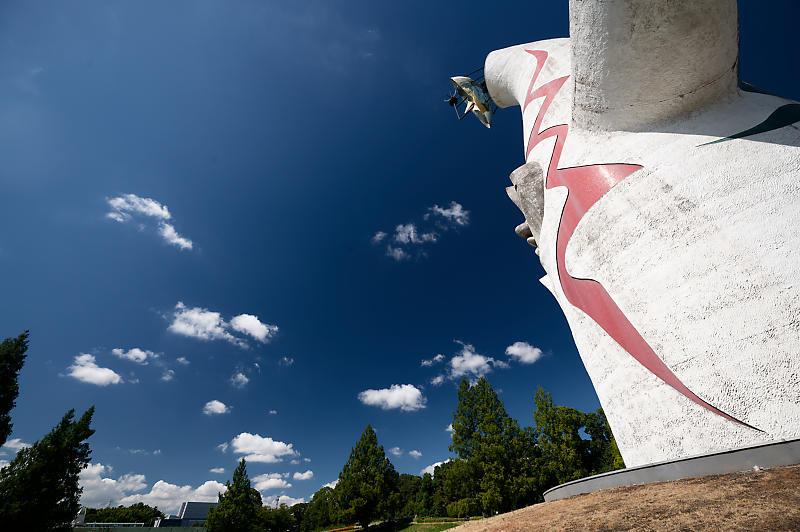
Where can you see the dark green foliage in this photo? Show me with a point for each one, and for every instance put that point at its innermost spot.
(39, 488)
(12, 356)
(239, 508)
(322, 511)
(135, 513)
(280, 519)
(367, 483)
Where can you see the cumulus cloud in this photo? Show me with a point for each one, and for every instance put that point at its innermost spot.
(15, 444)
(183, 360)
(286, 362)
(407, 239)
(408, 234)
(168, 497)
(414, 453)
(406, 397)
(270, 481)
(468, 363)
(273, 412)
(249, 324)
(239, 380)
(129, 206)
(223, 446)
(98, 489)
(306, 460)
(204, 324)
(397, 451)
(294, 461)
(135, 354)
(430, 362)
(331, 485)
(397, 253)
(217, 470)
(258, 448)
(450, 428)
(168, 375)
(524, 352)
(285, 500)
(455, 214)
(215, 407)
(430, 469)
(85, 369)
(303, 476)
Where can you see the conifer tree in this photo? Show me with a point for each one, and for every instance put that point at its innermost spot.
(368, 482)
(12, 356)
(39, 488)
(238, 508)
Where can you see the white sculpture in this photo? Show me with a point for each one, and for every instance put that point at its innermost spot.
(664, 202)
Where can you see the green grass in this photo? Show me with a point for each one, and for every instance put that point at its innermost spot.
(429, 527)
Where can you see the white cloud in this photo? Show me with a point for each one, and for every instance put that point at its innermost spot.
(294, 461)
(16, 444)
(216, 407)
(306, 460)
(270, 481)
(414, 453)
(273, 412)
(406, 397)
(168, 375)
(408, 234)
(183, 360)
(455, 214)
(217, 470)
(86, 370)
(239, 380)
(286, 361)
(435, 360)
(168, 497)
(124, 208)
(98, 490)
(135, 354)
(397, 253)
(303, 476)
(431, 467)
(450, 428)
(171, 236)
(470, 363)
(199, 323)
(157, 451)
(524, 352)
(204, 324)
(285, 499)
(331, 485)
(437, 380)
(397, 451)
(378, 237)
(249, 324)
(3, 463)
(223, 446)
(261, 449)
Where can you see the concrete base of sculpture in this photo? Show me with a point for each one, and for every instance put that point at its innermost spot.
(773, 454)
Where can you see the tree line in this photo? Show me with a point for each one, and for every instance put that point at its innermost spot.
(499, 467)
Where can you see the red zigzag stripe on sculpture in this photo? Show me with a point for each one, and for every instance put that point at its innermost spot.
(585, 185)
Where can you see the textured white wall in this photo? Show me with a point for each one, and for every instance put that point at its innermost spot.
(699, 249)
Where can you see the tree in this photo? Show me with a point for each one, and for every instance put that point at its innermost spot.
(604, 453)
(322, 511)
(12, 356)
(39, 488)
(239, 507)
(367, 482)
(135, 513)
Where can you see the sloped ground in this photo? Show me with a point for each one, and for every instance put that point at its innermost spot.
(762, 500)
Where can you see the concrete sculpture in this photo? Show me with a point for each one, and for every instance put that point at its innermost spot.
(663, 199)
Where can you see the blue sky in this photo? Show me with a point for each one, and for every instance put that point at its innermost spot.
(190, 197)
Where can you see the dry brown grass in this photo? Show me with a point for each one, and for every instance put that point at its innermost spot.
(762, 500)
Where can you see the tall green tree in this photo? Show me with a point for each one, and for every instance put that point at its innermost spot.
(367, 483)
(39, 488)
(322, 511)
(239, 508)
(12, 356)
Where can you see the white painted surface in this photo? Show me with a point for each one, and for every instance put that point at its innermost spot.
(700, 249)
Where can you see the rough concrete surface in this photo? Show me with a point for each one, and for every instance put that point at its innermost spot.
(697, 249)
